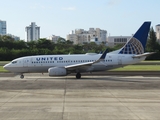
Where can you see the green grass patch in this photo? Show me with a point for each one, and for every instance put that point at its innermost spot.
(2, 69)
(139, 68)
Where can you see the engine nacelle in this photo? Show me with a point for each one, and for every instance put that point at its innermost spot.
(57, 71)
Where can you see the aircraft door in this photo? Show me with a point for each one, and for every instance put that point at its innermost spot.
(119, 60)
(25, 62)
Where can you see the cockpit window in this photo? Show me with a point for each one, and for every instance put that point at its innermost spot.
(14, 62)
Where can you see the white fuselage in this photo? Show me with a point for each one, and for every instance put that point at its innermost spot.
(41, 63)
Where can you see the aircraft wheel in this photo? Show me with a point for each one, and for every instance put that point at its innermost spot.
(22, 76)
(78, 75)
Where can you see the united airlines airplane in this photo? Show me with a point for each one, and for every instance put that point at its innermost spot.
(62, 65)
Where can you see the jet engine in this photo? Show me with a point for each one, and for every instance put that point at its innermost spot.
(57, 71)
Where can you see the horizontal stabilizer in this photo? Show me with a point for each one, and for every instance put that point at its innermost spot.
(142, 55)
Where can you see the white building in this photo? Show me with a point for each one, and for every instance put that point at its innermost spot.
(114, 40)
(53, 38)
(80, 36)
(158, 32)
(3, 28)
(32, 32)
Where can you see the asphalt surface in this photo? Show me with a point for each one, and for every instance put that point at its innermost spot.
(94, 97)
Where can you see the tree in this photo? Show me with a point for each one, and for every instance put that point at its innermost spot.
(31, 44)
(5, 38)
(61, 41)
(44, 43)
(152, 44)
(118, 46)
(69, 42)
(20, 44)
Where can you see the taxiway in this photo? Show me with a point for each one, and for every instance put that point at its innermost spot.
(40, 97)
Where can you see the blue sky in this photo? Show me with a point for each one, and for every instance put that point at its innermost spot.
(59, 17)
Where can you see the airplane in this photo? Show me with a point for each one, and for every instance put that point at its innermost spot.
(61, 65)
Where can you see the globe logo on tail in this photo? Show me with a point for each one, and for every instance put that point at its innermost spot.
(133, 46)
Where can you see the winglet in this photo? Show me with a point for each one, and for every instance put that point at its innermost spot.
(102, 56)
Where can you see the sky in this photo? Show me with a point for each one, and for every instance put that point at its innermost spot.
(59, 17)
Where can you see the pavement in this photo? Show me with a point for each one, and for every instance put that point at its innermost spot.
(112, 97)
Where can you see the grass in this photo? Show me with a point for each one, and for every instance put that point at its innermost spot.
(2, 69)
(139, 68)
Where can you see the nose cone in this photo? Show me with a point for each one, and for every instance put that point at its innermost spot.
(6, 67)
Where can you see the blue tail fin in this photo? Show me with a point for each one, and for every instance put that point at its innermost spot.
(136, 45)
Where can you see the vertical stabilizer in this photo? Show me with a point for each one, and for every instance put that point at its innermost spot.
(136, 45)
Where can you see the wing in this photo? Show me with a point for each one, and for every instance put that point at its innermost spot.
(87, 64)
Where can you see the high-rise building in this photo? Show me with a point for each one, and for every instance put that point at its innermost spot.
(3, 29)
(32, 32)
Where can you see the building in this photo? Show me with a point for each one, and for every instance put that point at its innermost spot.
(3, 28)
(53, 38)
(158, 32)
(80, 36)
(32, 32)
(114, 40)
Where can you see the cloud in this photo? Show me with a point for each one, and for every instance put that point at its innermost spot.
(112, 3)
(69, 8)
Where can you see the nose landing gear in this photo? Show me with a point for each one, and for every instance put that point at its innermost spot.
(22, 76)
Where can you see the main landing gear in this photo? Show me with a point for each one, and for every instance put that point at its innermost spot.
(78, 75)
(22, 76)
